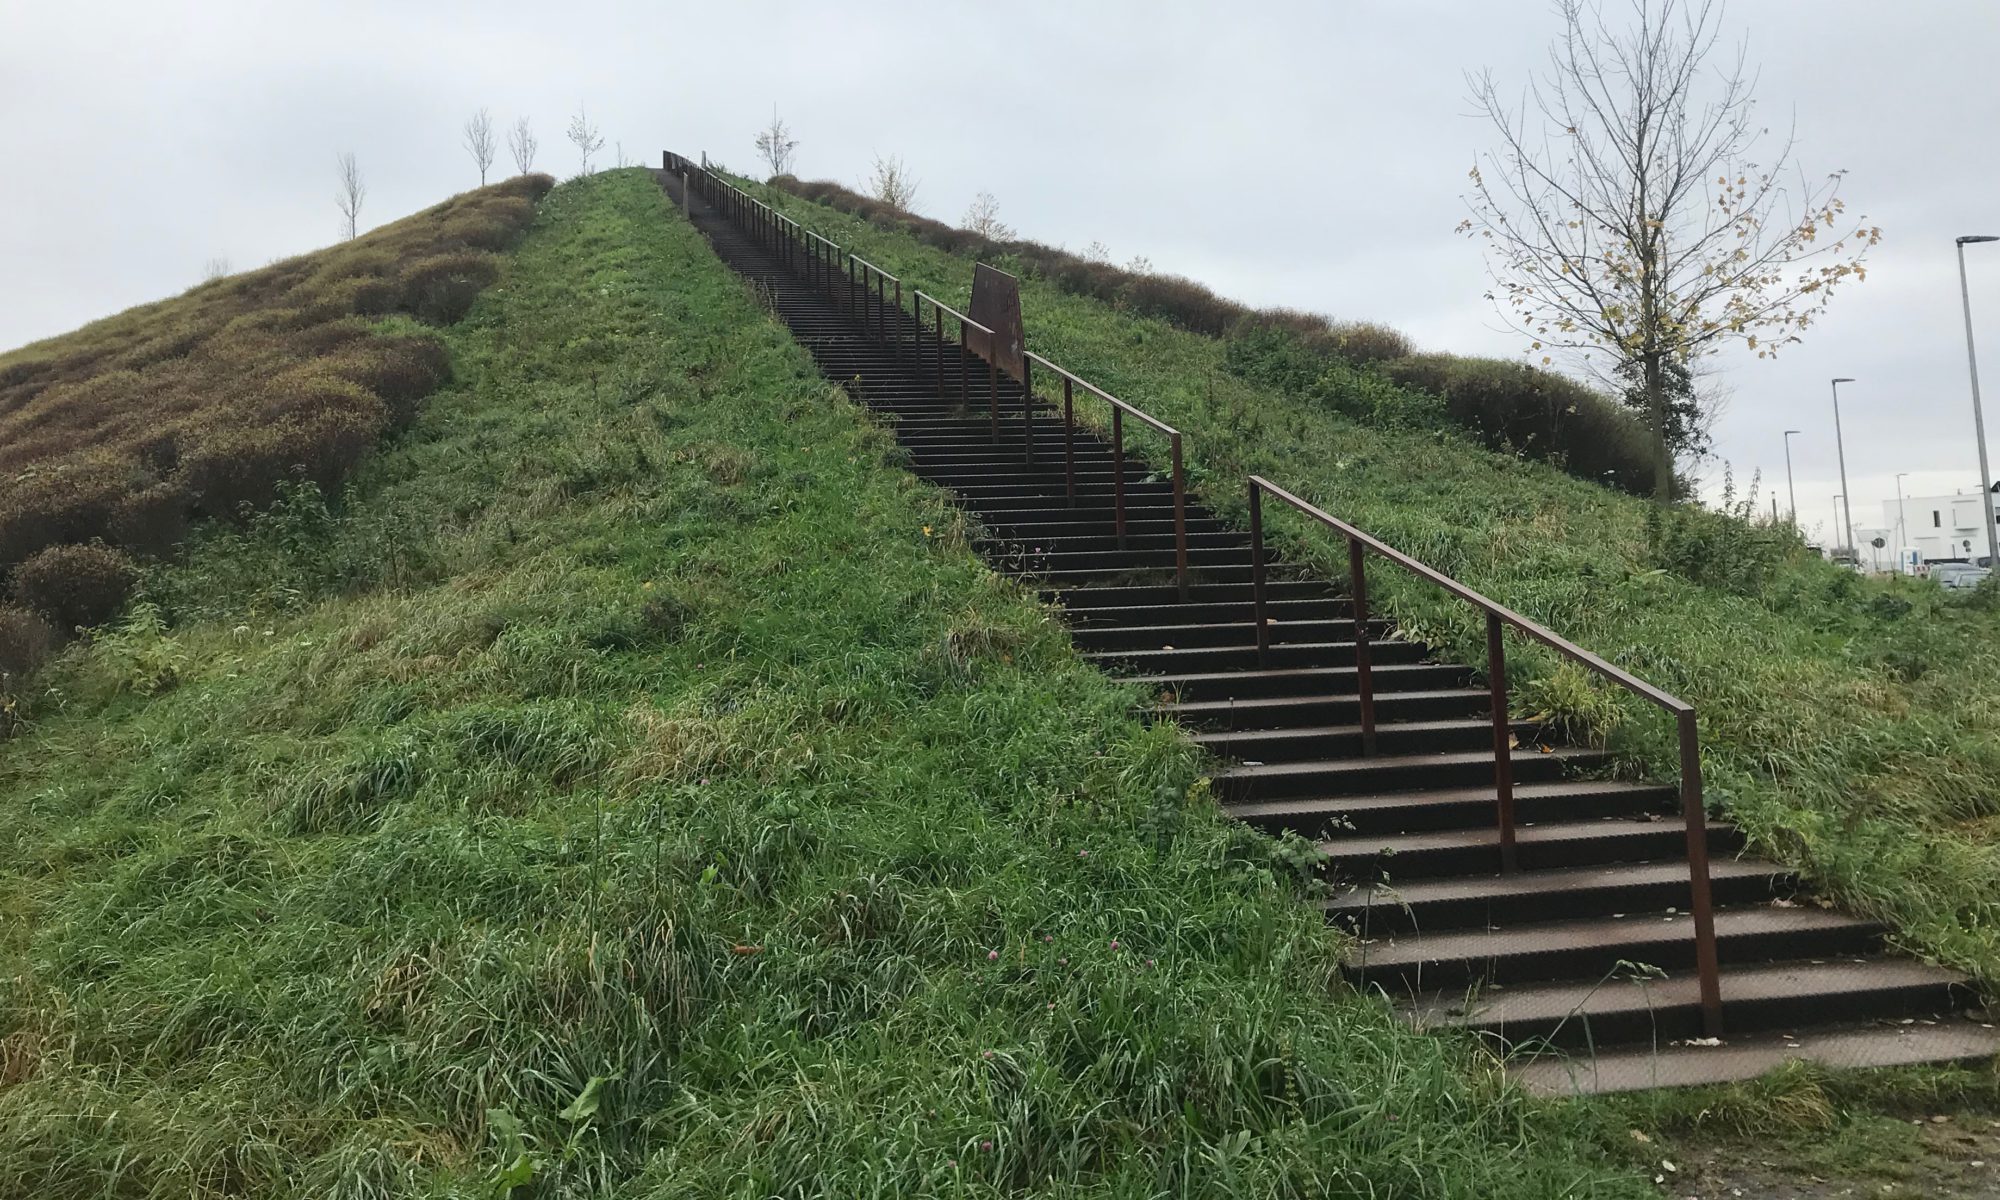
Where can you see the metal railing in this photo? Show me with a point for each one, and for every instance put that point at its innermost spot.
(1119, 411)
(939, 309)
(869, 293)
(859, 274)
(1693, 810)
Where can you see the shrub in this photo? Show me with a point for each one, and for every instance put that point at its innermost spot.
(1182, 302)
(26, 642)
(1537, 414)
(150, 522)
(75, 587)
(65, 502)
(400, 370)
(440, 289)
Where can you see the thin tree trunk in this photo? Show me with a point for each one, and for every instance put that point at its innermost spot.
(1656, 407)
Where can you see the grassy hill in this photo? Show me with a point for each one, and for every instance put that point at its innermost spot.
(115, 436)
(1849, 725)
(632, 784)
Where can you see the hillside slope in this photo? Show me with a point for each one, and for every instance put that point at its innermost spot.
(1848, 725)
(114, 436)
(635, 786)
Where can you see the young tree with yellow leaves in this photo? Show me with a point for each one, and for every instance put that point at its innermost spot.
(1623, 212)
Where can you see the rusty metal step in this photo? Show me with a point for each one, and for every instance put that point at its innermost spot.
(1945, 1039)
(1474, 849)
(1757, 998)
(1403, 906)
(1421, 809)
(1248, 781)
(1411, 964)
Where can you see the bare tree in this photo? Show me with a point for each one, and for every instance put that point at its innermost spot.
(1097, 252)
(352, 192)
(983, 218)
(479, 142)
(1140, 265)
(215, 268)
(585, 137)
(891, 183)
(522, 145)
(1632, 220)
(776, 145)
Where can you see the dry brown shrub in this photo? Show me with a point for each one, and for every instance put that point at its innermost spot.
(26, 642)
(207, 401)
(74, 587)
(440, 288)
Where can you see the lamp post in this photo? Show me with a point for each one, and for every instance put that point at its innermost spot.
(1790, 487)
(1840, 448)
(1902, 524)
(1978, 419)
(1836, 548)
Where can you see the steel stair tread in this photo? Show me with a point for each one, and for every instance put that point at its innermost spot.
(1535, 1003)
(1432, 797)
(1630, 935)
(1603, 877)
(1639, 1068)
(1386, 762)
(1546, 833)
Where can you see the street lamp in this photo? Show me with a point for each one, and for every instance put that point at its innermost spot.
(1790, 487)
(1902, 525)
(1978, 419)
(1840, 448)
(1835, 539)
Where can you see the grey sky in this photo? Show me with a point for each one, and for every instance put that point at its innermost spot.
(1309, 154)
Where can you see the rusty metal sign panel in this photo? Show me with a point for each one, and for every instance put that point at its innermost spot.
(996, 304)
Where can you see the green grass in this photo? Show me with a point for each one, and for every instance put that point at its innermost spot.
(1850, 726)
(635, 786)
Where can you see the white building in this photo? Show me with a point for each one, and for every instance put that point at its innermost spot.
(1943, 527)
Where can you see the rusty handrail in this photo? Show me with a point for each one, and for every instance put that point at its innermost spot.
(1119, 410)
(918, 298)
(882, 279)
(1693, 810)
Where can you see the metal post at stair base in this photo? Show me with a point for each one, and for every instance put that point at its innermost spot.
(1118, 473)
(1364, 675)
(1069, 442)
(993, 398)
(964, 369)
(1028, 410)
(1701, 903)
(939, 313)
(1503, 737)
(1257, 576)
(899, 319)
(1180, 521)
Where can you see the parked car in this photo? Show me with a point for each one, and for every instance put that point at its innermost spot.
(1957, 576)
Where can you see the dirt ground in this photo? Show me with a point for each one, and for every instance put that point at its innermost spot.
(1945, 1156)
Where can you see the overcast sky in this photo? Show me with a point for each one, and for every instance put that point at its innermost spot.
(1307, 154)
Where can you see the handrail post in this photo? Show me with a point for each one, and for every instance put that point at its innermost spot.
(964, 369)
(1364, 675)
(899, 319)
(993, 397)
(1118, 473)
(939, 313)
(1257, 575)
(1695, 813)
(1028, 410)
(1180, 521)
(1069, 442)
(1503, 736)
